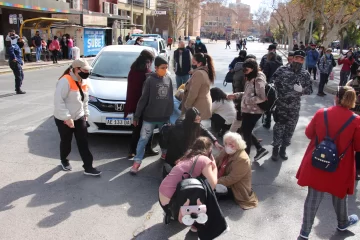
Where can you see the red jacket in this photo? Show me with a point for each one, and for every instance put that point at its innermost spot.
(136, 81)
(342, 181)
(346, 63)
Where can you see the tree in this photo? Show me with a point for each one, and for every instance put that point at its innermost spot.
(262, 20)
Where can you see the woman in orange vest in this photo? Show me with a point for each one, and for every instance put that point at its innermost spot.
(71, 113)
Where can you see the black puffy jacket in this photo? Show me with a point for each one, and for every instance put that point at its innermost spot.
(176, 142)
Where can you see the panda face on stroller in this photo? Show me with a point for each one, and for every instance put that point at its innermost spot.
(189, 214)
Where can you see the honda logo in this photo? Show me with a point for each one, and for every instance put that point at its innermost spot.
(119, 107)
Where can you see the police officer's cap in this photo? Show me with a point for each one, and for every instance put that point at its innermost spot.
(299, 53)
(272, 47)
(291, 53)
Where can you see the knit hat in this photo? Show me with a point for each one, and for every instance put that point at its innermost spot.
(242, 53)
(291, 53)
(160, 60)
(251, 56)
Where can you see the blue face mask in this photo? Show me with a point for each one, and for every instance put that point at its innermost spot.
(198, 41)
(327, 55)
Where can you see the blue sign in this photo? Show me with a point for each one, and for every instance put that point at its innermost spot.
(94, 41)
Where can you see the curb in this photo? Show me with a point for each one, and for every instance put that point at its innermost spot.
(34, 68)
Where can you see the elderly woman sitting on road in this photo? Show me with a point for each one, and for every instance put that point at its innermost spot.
(234, 171)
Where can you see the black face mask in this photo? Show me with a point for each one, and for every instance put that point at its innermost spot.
(83, 75)
(181, 49)
(194, 66)
(20, 44)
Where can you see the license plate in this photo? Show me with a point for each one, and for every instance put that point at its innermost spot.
(118, 121)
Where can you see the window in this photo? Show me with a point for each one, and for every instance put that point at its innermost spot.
(85, 4)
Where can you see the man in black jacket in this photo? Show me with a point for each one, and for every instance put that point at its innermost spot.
(199, 46)
(182, 64)
(272, 48)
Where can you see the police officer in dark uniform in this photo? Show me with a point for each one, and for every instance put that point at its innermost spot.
(291, 82)
(271, 48)
(199, 46)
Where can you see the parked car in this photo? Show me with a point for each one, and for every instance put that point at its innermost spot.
(135, 35)
(157, 43)
(250, 38)
(108, 85)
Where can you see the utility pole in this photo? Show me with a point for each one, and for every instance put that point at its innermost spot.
(132, 12)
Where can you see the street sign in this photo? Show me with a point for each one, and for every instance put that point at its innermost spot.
(160, 12)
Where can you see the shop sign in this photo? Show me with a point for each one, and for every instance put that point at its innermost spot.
(90, 20)
(94, 41)
(73, 18)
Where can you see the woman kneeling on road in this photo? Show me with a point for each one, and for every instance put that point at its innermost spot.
(339, 180)
(234, 172)
(71, 113)
(205, 165)
(182, 136)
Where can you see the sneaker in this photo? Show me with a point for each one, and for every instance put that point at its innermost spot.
(92, 172)
(353, 219)
(135, 168)
(304, 235)
(131, 155)
(66, 165)
(260, 153)
(221, 189)
(357, 177)
(193, 229)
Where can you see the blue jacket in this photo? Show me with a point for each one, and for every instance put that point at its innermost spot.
(312, 57)
(177, 112)
(14, 52)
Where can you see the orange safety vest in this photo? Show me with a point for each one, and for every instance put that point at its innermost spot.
(73, 86)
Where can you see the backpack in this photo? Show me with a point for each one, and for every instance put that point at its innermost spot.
(188, 188)
(228, 78)
(164, 135)
(325, 156)
(271, 97)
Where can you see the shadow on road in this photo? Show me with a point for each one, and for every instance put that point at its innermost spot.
(73, 191)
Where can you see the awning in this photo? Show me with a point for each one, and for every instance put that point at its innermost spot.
(41, 23)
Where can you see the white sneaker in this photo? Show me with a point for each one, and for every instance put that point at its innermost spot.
(221, 189)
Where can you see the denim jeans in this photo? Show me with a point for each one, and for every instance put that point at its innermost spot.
(145, 134)
(70, 53)
(181, 80)
(18, 73)
(38, 53)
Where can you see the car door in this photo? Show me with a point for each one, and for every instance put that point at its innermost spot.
(163, 52)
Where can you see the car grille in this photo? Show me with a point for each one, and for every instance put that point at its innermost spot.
(109, 107)
(103, 126)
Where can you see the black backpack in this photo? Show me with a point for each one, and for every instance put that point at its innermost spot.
(187, 188)
(325, 156)
(164, 135)
(228, 78)
(271, 97)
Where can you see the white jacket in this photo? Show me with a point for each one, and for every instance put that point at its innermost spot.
(226, 110)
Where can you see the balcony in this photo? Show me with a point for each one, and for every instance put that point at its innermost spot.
(139, 3)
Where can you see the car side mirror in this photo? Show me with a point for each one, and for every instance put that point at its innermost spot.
(163, 51)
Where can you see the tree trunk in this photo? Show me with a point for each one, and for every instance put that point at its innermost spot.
(331, 35)
(290, 41)
(312, 22)
(341, 33)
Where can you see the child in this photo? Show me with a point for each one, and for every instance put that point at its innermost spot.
(155, 106)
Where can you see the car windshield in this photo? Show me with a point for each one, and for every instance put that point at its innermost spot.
(152, 44)
(114, 64)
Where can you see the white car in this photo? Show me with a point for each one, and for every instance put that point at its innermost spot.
(157, 43)
(250, 38)
(108, 86)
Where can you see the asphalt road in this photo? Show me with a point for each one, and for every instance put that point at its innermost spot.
(39, 201)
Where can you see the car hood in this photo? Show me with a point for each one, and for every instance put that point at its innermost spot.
(108, 88)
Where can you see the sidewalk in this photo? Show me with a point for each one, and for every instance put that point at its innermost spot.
(331, 86)
(4, 66)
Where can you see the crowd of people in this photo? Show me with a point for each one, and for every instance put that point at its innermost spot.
(186, 145)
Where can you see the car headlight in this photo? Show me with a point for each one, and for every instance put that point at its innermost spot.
(93, 99)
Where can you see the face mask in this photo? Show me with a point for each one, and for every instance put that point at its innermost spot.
(229, 150)
(198, 41)
(194, 66)
(358, 78)
(83, 75)
(181, 49)
(296, 66)
(161, 72)
(327, 55)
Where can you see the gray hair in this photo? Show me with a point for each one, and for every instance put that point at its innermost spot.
(240, 143)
